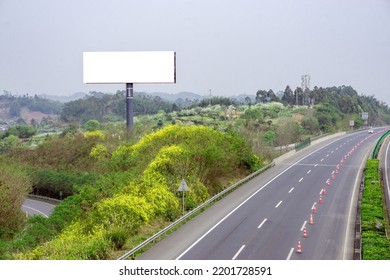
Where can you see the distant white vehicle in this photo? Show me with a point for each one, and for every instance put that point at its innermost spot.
(371, 131)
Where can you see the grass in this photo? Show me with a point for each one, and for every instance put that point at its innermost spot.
(375, 242)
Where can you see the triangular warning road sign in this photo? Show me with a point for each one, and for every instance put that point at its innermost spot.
(183, 187)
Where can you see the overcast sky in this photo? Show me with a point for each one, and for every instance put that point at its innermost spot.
(228, 46)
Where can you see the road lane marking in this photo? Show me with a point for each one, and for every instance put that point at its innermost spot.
(316, 165)
(239, 251)
(277, 205)
(300, 180)
(36, 210)
(262, 223)
(246, 200)
(290, 254)
(308, 171)
(322, 159)
(304, 225)
(291, 190)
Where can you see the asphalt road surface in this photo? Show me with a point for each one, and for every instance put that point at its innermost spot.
(37, 207)
(303, 208)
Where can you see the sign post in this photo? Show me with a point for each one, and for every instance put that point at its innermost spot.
(183, 188)
(129, 68)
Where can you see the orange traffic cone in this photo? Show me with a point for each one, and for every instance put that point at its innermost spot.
(311, 219)
(299, 249)
(304, 232)
(320, 200)
(314, 208)
(323, 191)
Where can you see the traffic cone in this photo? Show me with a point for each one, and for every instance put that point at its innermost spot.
(299, 249)
(320, 200)
(328, 182)
(332, 176)
(311, 219)
(314, 208)
(304, 232)
(323, 191)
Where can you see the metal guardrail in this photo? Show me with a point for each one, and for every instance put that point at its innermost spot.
(379, 143)
(303, 144)
(192, 212)
(45, 198)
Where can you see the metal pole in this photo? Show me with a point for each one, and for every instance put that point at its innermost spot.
(183, 202)
(129, 106)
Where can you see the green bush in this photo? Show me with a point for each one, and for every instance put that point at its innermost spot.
(14, 187)
(375, 244)
(58, 184)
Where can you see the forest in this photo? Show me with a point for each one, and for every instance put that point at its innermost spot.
(117, 186)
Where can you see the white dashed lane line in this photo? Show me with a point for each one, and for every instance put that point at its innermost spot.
(238, 252)
(262, 223)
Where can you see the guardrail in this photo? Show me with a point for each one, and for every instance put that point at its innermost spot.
(378, 144)
(192, 212)
(303, 144)
(45, 198)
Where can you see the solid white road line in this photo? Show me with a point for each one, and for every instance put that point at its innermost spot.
(291, 190)
(239, 251)
(262, 223)
(36, 210)
(300, 180)
(277, 205)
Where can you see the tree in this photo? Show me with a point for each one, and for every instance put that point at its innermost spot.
(248, 101)
(261, 95)
(271, 96)
(327, 116)
(92, 125)
(9, 142)
(287, 131)
(21, 131)
(310, 124)
(298, 95)
(269, 137)
(288, 97)
(14, 187)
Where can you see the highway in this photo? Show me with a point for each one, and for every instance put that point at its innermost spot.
(303, 208)
(37, 207)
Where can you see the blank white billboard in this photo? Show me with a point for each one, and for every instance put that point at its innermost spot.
(129, 67)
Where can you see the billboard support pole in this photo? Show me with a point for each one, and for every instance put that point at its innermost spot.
(129, 106)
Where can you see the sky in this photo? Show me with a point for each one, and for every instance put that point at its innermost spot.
(223, 47)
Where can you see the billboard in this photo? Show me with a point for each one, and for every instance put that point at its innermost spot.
(129, 67)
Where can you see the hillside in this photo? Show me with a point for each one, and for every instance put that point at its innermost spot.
(119, 187)
(14, 109)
